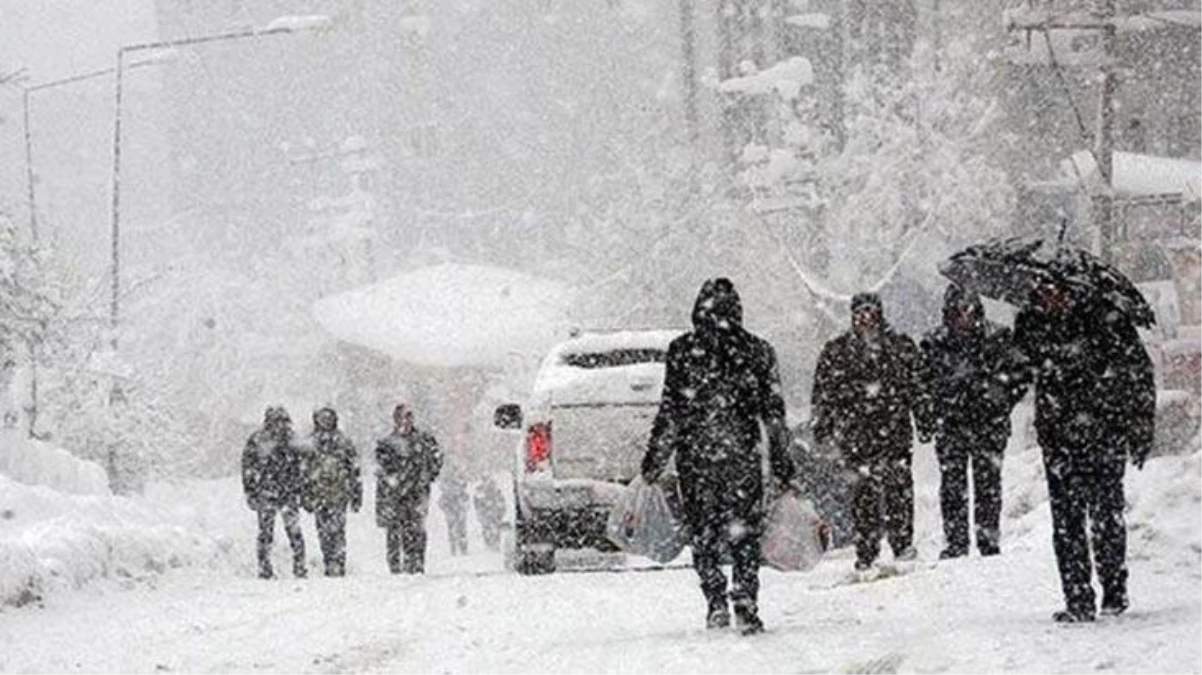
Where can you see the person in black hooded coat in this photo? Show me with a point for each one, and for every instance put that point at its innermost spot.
(1095, 406)
(272, 478)
(975, 379)
(720, 383)
(867, 384)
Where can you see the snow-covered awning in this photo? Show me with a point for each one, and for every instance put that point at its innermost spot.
(1136, 175)
(786, 78)
(452, 315)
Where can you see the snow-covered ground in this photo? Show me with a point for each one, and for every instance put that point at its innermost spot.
(172, 589)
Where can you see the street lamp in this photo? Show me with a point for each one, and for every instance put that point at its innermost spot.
(284, 25)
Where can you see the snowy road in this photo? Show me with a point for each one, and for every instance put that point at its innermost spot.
(970, 615)
(467, 615)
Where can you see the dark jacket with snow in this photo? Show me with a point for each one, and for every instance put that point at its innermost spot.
(333, 469)
(974, 373)
(272, 470)
(720, 383)
(865, 392)
(408, 465)
(1094, 384)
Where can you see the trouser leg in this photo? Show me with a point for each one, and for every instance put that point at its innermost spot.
(866, 515)
(265, 539)
(392, 542)
(337, 525)
(292, 527)
(899, 503)
(1067, 495)
(1109, 529)
(707, 556)
(746, 555)
(413, 540)
(953, 494)
(987, 493)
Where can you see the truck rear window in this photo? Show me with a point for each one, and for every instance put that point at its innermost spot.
(613, 358)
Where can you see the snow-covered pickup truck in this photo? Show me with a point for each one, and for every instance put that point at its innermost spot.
(586, 427)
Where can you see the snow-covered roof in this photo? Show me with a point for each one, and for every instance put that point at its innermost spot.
(810, 20)
(786, 77)
(451, 315)
(1136, 174)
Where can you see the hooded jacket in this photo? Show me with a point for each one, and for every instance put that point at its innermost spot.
(333, 468)
(865, 391)
(1095, 389)
(974, 373)
(272, 465)
(720, 383)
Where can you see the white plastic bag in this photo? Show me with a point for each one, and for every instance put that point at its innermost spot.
(642, 523)
(795, 537)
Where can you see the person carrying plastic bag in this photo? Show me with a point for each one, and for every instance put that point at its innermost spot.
(643, 522)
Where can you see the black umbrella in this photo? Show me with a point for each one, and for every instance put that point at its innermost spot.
(1009, 269)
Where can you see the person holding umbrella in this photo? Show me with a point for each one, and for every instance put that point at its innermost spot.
(1095, 399)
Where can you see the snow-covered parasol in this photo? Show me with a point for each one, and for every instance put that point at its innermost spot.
(452, 315)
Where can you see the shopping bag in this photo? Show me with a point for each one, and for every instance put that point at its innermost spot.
(643, 523)
(794, 537)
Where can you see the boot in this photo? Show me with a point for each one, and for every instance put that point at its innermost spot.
(1074, 615)
(747, 619)
(949, 553)
(718, 616)
(1114, 604)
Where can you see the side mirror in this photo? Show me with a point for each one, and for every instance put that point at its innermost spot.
(508, 416)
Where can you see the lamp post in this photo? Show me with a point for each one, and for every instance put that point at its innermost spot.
(285, 25)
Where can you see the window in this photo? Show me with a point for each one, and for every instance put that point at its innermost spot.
(614, 358)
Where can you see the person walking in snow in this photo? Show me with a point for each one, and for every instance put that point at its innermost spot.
(867, 385)
(452, 498)
(721, 382)
(489, 503)
(974, 380)
(273, 484)
(408, 461)
(334, 486)
(1095, 407)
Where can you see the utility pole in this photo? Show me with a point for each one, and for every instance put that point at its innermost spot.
(688, 49)
(1103, 202)
(1103, 18)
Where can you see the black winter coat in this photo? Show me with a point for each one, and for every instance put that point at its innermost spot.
(333, 473)
(720, 383)
(408, 465)
(865, 393)
(1094, 385)
(272, 473)
(974, 377)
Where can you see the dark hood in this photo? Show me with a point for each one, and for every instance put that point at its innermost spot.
(955, 297)
(319, 412)
(718, 307)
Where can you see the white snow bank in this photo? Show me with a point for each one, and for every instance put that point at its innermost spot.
(50, 540)
(451, 315)
(33, 462)
(786, 78)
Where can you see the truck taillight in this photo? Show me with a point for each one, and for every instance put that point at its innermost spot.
(538, 447)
